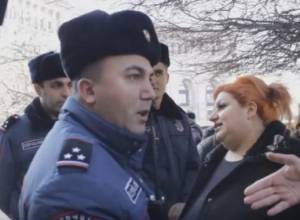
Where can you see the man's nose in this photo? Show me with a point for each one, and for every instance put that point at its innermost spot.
(152, 79)
(66, 92)
(148, 91)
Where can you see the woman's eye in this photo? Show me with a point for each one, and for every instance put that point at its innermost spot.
(221, 106)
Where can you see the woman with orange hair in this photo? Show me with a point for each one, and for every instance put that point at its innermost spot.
(247, 125)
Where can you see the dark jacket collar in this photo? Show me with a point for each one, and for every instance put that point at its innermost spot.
(169, 108)
(261, 146)
(116, 138)
(266, 140)
(38, 116)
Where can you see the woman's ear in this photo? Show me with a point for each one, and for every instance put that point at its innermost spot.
(251, 109)
(86, 91)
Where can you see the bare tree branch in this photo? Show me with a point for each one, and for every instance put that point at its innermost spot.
(231, 35)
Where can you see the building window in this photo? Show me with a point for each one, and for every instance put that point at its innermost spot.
(42, 24)
(49, 26)
(185, 93)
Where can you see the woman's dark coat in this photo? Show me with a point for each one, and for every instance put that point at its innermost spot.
(225, 200)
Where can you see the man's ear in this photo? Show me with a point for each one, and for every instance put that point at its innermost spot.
(167, 72)
(86, 91)
(168, 76)
(252, 109)
(38, 88)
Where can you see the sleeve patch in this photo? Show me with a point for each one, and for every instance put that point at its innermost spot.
(73, 215)
(75, 153)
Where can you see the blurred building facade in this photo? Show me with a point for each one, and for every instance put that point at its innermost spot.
(31, 26)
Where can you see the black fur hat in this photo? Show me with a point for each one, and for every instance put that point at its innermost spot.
(164, 56)
(45, 66)
(96, 35)
(3, 6)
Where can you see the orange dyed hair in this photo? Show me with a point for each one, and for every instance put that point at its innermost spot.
(273, 101)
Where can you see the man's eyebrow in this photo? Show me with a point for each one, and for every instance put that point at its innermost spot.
(56, 81)
(135, 67)
(158, 71)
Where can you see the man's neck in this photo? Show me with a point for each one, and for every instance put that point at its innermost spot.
(157, 103)
(52, 115)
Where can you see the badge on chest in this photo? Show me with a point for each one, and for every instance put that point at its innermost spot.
(133, 190)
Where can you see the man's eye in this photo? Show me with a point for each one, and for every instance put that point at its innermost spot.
(135, 76)
(55, 85)
(158, 74)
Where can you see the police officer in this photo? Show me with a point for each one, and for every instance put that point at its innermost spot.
(84, 169)
(196, 129)
(23, 135)
(171, 159)
(207, 143)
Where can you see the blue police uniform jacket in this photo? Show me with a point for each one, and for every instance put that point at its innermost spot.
(22, 136)
(85, 169)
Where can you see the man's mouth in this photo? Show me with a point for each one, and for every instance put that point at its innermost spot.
(144, 114)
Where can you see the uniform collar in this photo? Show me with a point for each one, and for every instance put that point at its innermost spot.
(118, 139)
(168, 108)
(38, 116)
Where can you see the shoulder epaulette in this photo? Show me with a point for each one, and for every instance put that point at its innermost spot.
(75, 153)
(10, 121)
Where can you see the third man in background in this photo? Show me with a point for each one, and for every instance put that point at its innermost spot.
(171, 159)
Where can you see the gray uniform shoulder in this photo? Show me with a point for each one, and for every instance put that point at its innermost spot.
(10, 121)
(16, 123)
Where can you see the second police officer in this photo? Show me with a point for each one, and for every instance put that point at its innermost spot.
(24, 134)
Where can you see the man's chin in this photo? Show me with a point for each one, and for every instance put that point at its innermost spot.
(56, 111)
(138, 129)
(156, 98)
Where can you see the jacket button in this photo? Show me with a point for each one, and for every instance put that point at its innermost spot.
(152, 197)
(209, 200)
